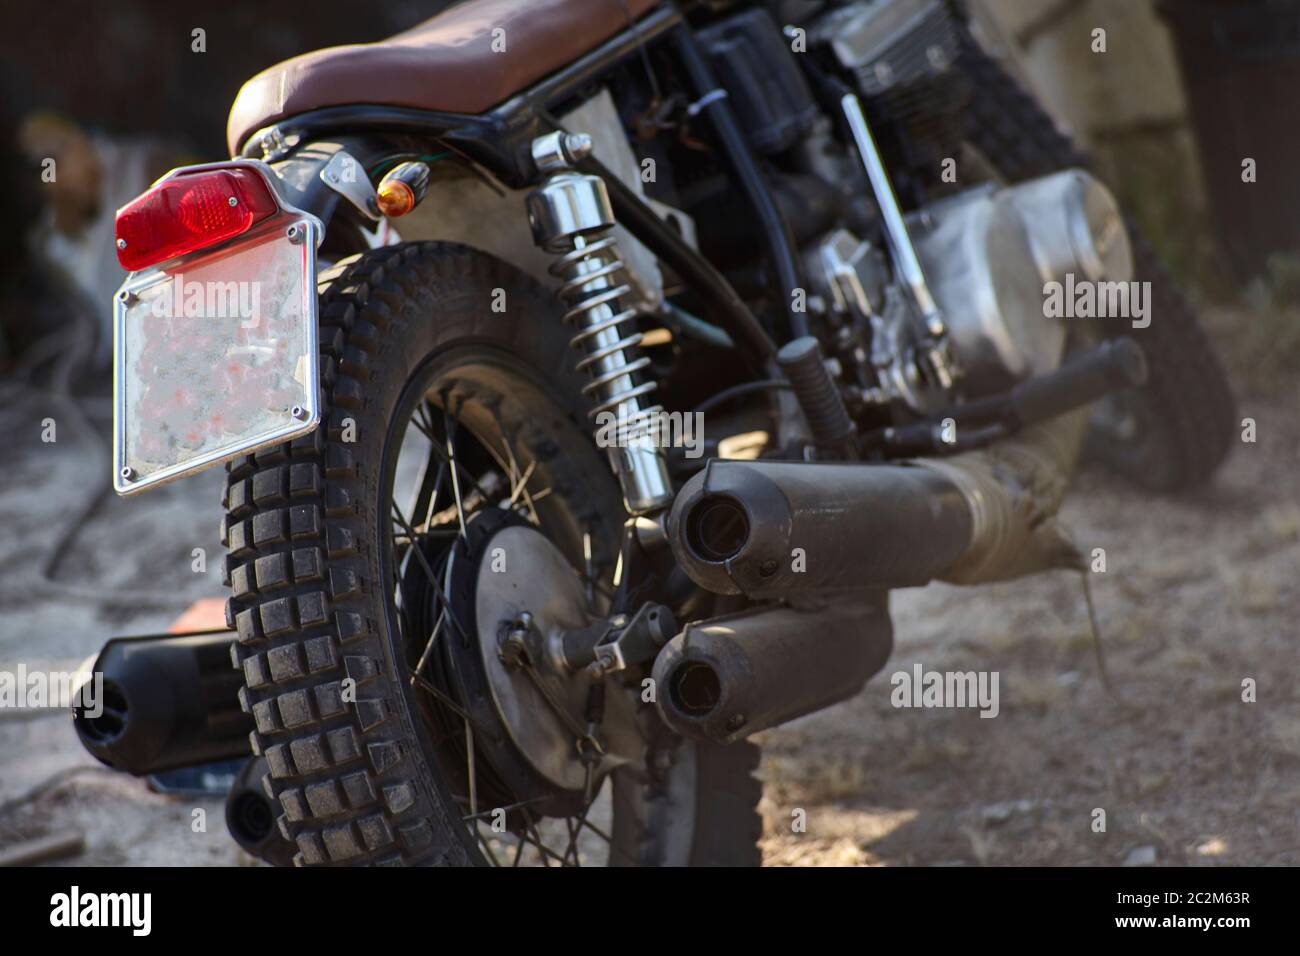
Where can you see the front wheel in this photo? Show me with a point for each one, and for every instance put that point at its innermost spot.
(377, 565)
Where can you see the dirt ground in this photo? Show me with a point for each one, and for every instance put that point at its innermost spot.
(1200, 592)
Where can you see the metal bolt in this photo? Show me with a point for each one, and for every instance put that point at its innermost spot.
(606, 662)
(121, 243)
(233, 201)
(513, 651)
(514, 643)
(767, 568)
(577, 145)
(298, 412)
(127, 473)
(736, 722)
(295, 234)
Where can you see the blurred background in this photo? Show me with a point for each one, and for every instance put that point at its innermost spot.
(1186, 91)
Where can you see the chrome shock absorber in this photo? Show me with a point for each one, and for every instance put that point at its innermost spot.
(570, 216)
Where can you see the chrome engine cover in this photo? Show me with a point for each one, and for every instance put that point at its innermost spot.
(988, 253)
(1074, 223)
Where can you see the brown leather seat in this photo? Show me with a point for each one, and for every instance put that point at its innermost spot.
(446, 63)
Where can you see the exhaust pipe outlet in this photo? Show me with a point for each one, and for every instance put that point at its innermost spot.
(732, 676)
(773, 529)
(250, 817)
(168, 701)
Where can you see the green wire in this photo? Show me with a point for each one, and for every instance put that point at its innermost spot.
(389, 163)
(697, 328)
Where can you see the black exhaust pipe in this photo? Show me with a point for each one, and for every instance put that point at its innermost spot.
(773, 529)
(165, 702)
(732, 676)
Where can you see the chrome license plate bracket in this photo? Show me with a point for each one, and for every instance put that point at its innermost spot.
(215, 354)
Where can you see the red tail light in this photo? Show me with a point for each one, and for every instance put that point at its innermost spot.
(190, 212)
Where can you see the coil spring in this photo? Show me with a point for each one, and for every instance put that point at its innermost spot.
(592, 275)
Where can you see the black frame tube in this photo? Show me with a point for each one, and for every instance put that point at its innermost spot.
(776, 231)
(696, 271)
(499, 141)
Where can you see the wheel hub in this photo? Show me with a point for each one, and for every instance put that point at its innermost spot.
(524, 580)
(527, 711)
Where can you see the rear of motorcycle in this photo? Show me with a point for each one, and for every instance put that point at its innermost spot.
(469, 628)
(395, 511)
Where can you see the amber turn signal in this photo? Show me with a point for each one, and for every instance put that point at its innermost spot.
(395, 199)
(402, 188)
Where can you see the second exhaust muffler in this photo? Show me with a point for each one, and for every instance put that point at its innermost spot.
(729, 677)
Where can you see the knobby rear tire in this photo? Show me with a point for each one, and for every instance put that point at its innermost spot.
(350, 778)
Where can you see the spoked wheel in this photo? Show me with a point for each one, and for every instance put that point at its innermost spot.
(491, 564)
(403, 581)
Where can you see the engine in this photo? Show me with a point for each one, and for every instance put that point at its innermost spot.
(981, 253)
(902, 55)
(987, 254)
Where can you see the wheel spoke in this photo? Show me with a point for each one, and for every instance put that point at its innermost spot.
(537, 841)
(518, 480)
(455, 481)
(429, 573)
(483, 814)
(416, 552)
(428, 648)
(572, 848)
(426, 497)
(599, 832)
(424, 411)
(423, 684)
(588, 569)
(471, 767)
(575, 830)
(462, 473)
(425, 430)
(400, 535)
(445, 452)
(521, 487)
(483, 842)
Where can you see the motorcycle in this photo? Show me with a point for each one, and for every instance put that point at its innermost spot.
(708, 324)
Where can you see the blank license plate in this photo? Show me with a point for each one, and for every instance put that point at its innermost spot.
(215, 357)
